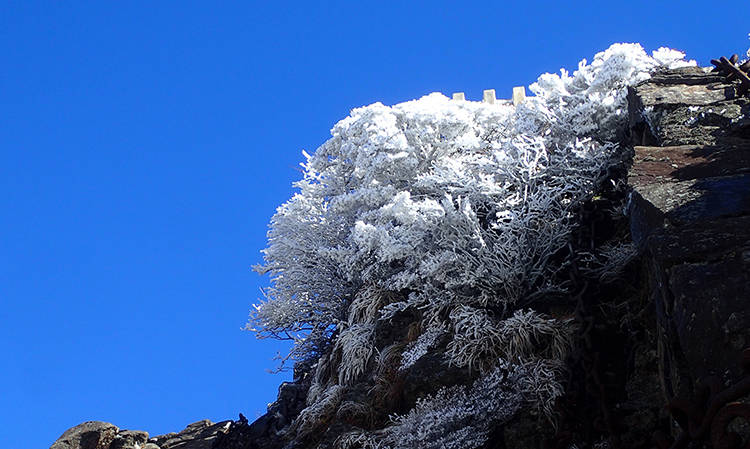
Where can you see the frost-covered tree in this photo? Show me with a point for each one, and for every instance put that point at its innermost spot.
(458, 209)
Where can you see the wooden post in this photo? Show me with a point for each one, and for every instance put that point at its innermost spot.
(519, 95)
(489, 96)
(459, 96)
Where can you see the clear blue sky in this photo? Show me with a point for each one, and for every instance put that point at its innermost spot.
(144, 147)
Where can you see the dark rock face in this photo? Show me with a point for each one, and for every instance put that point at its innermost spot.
(264, 432)
(687, 107)
(690, 214)
(677, 356)
(657, 356)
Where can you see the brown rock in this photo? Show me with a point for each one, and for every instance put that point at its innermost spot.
(655, 94)
(159, 440)
(691, 182)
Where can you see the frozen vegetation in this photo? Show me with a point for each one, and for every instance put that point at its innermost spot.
(457, 210)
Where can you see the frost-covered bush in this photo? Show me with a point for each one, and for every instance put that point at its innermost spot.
(456, 202)
(357, 345)
(457, 417)
(480, 340)
(462, 417)
(317, 414)
(416, 349)
(455, 209)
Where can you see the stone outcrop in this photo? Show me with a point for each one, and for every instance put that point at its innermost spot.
(88, 435)
(691, 217)
(127, 439)
(198, 435)
(663, 344)
(100, 435)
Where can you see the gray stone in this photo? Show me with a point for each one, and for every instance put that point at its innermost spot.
(198, 435)
(706, 296)
(127, 439)
(687, 107)
(159, 440)
(687, 182)
(88, 435)
(652, 94)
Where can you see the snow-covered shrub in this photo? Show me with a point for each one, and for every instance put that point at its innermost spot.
(357, 345)
(357, 412)
(324, 377)
(461, 417)
(316, 416)
(592, 102)
(416, 349)
(387, 377)
(542, 385)
(458, 210)
(455, 201)
(611, 259)
(479, 340)
(423, 197)
(358, 439)
(457, 418)
(367, 304)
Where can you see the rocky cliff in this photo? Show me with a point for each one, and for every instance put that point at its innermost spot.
(659, 355)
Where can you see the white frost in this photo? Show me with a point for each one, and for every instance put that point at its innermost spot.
(462, 205)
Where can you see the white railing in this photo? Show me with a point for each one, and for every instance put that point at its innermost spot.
(519, 95)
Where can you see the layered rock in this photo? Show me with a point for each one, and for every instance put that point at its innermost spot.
(691, 217)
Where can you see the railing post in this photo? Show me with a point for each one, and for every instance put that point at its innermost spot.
(519, 95)
(489, 96)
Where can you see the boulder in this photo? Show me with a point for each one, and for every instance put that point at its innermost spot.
(88, 435)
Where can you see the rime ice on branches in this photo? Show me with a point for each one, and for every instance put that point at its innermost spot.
(456, 208)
